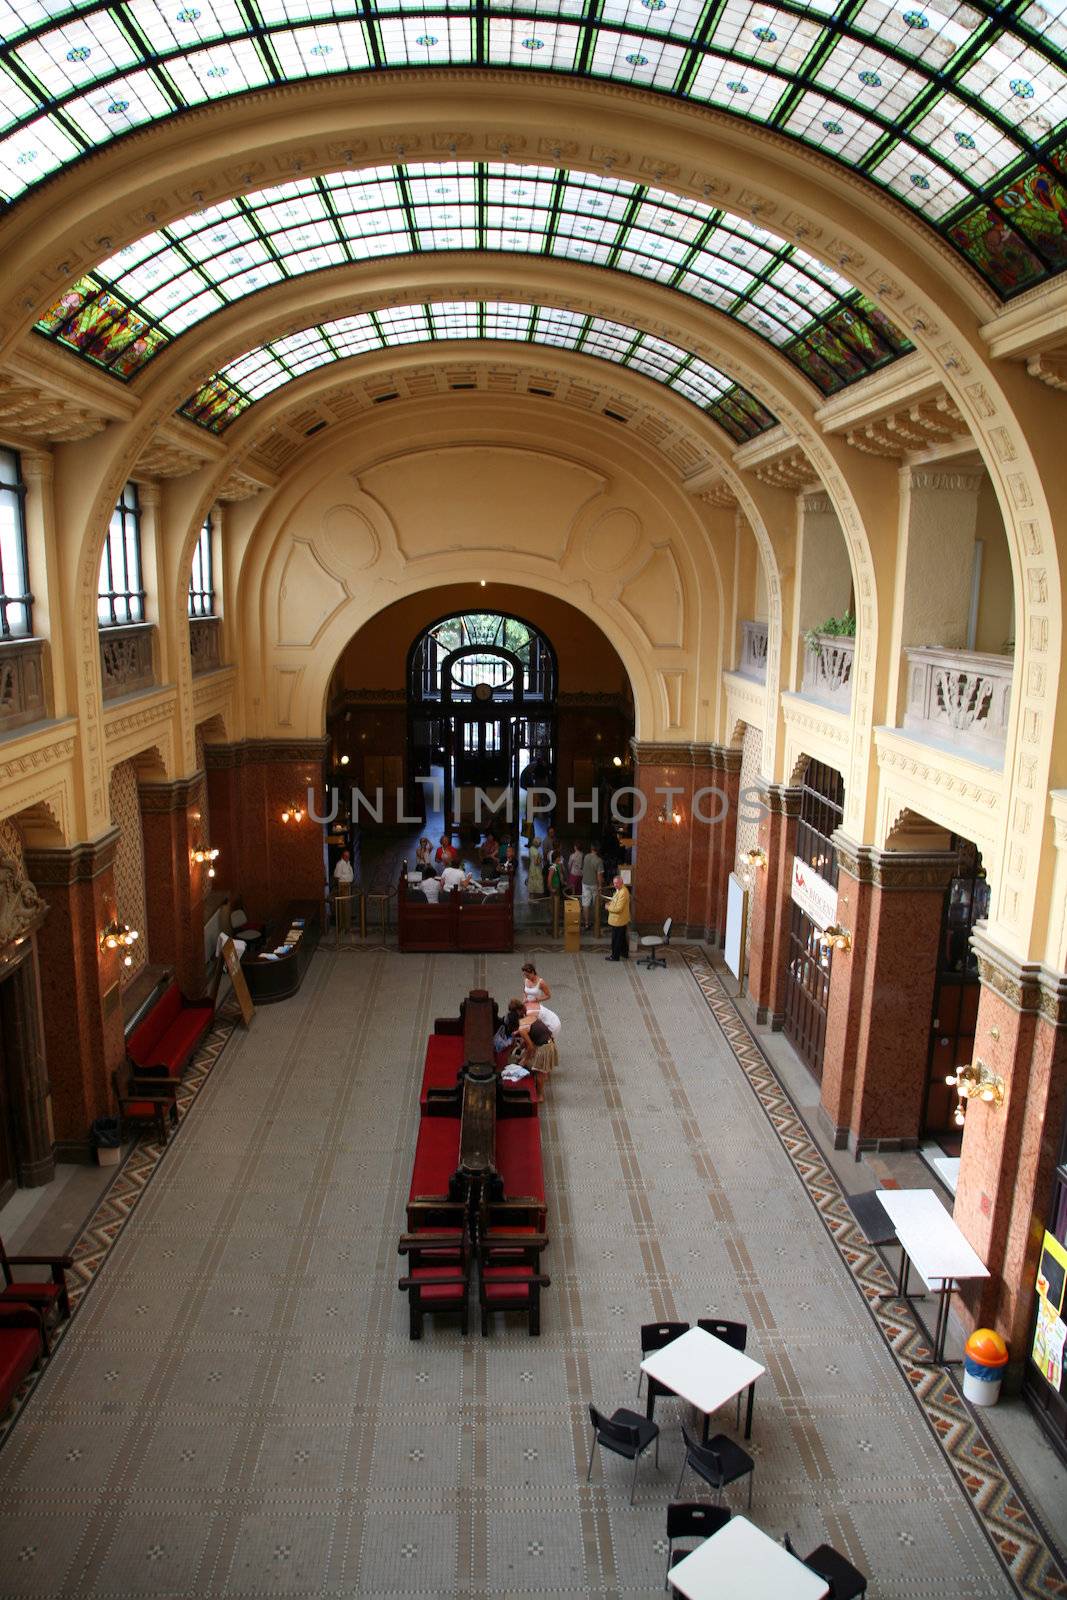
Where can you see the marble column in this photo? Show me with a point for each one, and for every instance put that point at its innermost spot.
(1009, 1152)
(174, 883)
(266, 861)
(680, 864)
(81, 999)
(881, 994)
(23, 1065)
(770, 903)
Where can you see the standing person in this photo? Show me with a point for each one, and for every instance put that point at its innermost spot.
(557, 876)
(534, 986)
(592, 879)
(574, 870)
(424, 854)
(619, 921)
(443, 853)
(343, 878)
(535, 878)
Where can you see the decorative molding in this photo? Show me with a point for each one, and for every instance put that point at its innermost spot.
(949, 482)
(1050, 368)
(817, 505)
(161, 799)
(221, 757)
(895, 869)
(49, 754)
(33, 412)
(780, 799)
(120, 723)
(21, 907)
(127, 658)
(79, 863)
(663, 755)
(1027, 986)
(22, 683)
(935, 770)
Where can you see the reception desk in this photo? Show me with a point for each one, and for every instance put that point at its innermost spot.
(463, 919)
(269, 980)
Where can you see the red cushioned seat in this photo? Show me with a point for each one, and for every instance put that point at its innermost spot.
(438, 1277)
(444, 1058)
(436, 1155)
(32, 1293)
(518, 1156)
(21, 1347)
(170, 1033)
(439, 1293)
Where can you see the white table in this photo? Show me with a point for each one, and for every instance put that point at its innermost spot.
(931, 1242)
(741, 1563)
(705, 1371)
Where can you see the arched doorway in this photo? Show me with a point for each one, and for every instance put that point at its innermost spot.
(482, 688)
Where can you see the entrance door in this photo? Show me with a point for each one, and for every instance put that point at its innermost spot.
(483, 752)
(8, 1174)
(955, 1016)
(807, 991)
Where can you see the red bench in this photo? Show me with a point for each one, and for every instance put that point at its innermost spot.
(518, 1160)
(23, 1342)
(436, 1159)
(444, 1057)
(163, 1043)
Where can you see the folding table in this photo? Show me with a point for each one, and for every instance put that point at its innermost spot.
(934, 1245)
(741, 1563)
(705, 1371)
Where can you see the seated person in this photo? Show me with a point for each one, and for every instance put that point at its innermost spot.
(505, 1036)
(454, 878)
(431, 889)
(490, 848)
(510, 863)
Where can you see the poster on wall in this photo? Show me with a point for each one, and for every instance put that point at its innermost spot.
(1050, 1330)
(736, 920)
(811, 892)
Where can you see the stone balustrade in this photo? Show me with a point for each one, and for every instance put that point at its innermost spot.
(22, 683)
(753, 662)
(828, 670)
(205, 644)
(960, 698)
(127, 659)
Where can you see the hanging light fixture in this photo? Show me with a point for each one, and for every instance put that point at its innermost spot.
(120, 936)
(205, 853)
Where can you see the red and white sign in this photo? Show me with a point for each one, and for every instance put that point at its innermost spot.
(811, 892)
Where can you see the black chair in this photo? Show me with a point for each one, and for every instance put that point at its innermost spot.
(845, 1581)
(654, 1335)
(719, 1462)
(691, 1520)
(735, 1334)
(627, 1434)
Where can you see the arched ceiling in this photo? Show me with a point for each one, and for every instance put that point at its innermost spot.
(959, 110)
(133, 304)
(257, 373)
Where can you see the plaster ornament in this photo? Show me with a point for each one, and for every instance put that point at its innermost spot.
(20, 904)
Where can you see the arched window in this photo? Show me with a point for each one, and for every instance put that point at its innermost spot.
(455, 661)
(201, 588)
(120, 596)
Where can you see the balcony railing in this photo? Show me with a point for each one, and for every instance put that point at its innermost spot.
(753, 663)
(205, 644)
(22, 691)
(828, 669)
(959, 697)
(127, 659)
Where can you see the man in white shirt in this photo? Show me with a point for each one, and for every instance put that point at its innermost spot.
(454, 878)
(343, 878)
(431, 888)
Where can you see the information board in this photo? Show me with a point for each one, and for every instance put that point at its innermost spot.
(736, 928)
(237, 978)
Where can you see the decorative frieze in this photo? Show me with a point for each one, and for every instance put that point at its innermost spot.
(780, 799)
(205, 644)
(753, 662)
(127, 659)
(22, 686)
(222, 757)
(79, 863)
(895, 869)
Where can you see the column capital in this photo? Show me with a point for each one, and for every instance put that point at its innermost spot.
(1027, 986)
(38, 466)
(148, 494)
(220, 757)
(816, 503)
(77, 863)
(960, 481)
(163, 798)
(656, 754)
(895, 869)
(781, 799)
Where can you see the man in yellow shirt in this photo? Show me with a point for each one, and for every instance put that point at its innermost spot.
(619, 922)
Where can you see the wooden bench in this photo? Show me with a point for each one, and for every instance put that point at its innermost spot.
(23, 1344)
(163, 1044)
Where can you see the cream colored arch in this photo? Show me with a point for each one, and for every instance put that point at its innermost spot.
(411, 501)
(1017, 426)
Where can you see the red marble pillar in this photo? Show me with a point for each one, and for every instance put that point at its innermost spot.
(769, 903)
(174, 883)
(82, 1004)
(726, 778)
(1009, 1152)
(881, 994)
(266, 861)
(663, 852)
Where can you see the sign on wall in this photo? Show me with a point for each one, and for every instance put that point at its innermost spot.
(811, 892)
(736, 923)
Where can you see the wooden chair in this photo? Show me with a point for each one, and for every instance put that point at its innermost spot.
(49, 1296)
(23, 1345)
(150, 1103)
(438, 1276)
(508, 1275)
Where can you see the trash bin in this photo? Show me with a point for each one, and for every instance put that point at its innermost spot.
(104, 1134)
(985, 1355)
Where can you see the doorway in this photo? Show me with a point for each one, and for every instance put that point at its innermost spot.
(956, 994)
(807, 989)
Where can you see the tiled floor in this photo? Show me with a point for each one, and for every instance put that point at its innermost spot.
(237, 1409)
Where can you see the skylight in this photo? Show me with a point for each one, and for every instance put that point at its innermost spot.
(130, 306)
(959, 110)
(253, 376)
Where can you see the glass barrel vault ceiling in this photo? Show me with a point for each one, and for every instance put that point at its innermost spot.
(130, 307)
(960, 110)
(221, 400)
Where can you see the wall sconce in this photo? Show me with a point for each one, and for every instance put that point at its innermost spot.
(754, 858)
(616, 761)
(206, 853)
(345, 760)
(292, 813)
(119, 936)
(673, 815)
(835, 937)
(976, 1081)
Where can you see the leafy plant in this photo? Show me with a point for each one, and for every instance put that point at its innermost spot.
(843, 627)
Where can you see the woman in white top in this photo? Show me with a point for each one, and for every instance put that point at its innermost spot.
(533, 986)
